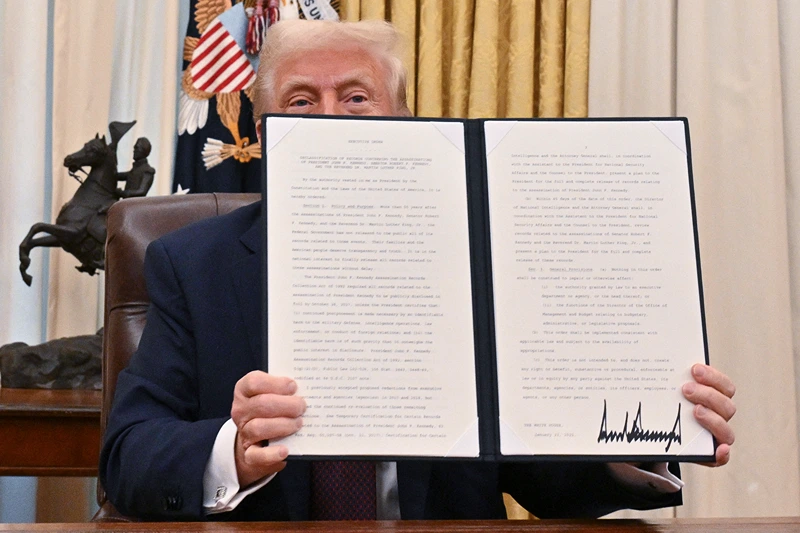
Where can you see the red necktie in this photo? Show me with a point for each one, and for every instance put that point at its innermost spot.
(343, 490)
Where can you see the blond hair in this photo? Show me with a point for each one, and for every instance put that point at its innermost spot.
(292, 36)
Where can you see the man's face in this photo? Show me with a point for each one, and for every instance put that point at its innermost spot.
(347, 81)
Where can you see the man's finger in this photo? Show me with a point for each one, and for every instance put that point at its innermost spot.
(714, 423)
(721, 457)
(260, 429)
(267, 459)
(276, 406)
(244, 410)
(711, 398)
(258, 382)
(723, 454)
(708, 375)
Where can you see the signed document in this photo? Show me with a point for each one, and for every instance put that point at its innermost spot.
(484, 288)
(369, 287)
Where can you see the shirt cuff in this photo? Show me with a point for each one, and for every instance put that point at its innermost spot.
(653, 477)
(220, 482)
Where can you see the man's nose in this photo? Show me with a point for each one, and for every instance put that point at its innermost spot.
(330, 105)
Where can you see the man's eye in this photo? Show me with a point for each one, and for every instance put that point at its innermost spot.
(358, 99)
(300, 103)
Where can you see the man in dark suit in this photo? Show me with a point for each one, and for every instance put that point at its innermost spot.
(184, 440)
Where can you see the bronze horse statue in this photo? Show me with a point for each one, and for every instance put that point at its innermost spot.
(80, 226)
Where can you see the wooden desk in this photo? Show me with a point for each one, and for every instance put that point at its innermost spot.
(739, 525)
(49, 432)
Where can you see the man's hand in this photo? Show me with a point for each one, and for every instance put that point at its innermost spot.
(712, 392)
(263, 408)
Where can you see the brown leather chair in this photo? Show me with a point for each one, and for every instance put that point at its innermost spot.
(132, 225)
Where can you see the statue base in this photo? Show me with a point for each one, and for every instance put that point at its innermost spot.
(67, 363)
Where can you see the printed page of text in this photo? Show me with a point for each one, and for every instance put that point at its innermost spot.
(596, 294)
(369, 293)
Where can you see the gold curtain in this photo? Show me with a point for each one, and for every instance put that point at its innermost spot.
(490, 58)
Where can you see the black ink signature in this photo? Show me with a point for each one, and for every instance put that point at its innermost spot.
(637, 432)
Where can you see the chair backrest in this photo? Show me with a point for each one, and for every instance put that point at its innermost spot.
(132, 225)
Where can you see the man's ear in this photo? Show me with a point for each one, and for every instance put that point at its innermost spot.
(258, 130)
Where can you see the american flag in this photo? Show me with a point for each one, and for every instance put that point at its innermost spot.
(218, 63)
(217, 148)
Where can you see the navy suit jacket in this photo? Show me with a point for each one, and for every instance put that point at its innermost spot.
(203, 334)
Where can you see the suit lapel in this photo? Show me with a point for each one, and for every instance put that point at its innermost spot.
(246, 276)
